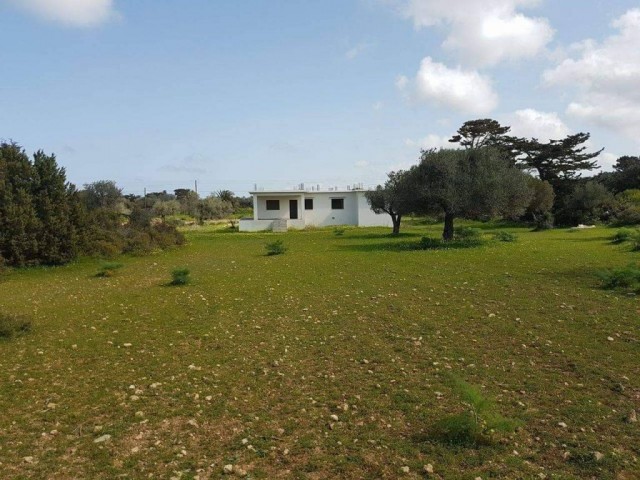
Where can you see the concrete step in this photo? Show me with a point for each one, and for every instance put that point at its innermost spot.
(280, 225)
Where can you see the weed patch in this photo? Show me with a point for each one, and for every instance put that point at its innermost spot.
(505, 237)
(180, 276)
(11, 325)
(108, 269)
(275, 248)
(626, 278)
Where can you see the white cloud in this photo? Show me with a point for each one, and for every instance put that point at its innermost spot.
(532, 123)
(483, 32)
(431, 141)
(462, 90)
(75, 13)
(361, 164)
(606, 75)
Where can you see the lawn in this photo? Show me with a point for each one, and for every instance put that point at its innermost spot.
(333, 360)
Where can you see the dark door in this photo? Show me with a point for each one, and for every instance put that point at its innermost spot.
(293, 209)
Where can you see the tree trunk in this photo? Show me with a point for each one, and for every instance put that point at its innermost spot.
(447, 234)
(396, 223)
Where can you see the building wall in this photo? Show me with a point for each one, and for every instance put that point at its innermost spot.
(367, 217)
(264, 214)
(323, 215)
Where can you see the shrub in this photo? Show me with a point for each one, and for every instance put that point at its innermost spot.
(477, 425)
(622, 235)
(626, 278)
(467, 233)
(108, 269)
(543, 221)
(275, 248)
(180, 276)
(505, 237)
(11, 325)
(338, 232)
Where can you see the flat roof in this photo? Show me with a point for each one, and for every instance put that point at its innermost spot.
(299, 192)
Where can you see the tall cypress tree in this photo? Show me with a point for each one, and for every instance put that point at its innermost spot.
(52, 197)
(19, 224)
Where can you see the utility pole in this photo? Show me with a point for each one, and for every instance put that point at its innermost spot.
(196, 185)
(145, 197)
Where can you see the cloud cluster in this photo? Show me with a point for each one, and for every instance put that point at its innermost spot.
(486, 32)
(532, 123)
(462, 90)
(74, 13)
(607, 76)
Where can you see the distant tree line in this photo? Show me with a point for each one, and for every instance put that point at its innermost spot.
(45, 220)
(499, 175)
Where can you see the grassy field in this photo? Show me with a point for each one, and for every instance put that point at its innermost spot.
(333, 360)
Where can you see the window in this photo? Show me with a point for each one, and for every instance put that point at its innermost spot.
(337, 204)
(273, 204)
(308, 203)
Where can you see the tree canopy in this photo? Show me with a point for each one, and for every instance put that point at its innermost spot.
(394, 198)
(484, 132)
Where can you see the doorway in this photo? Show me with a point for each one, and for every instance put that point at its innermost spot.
(293, 209)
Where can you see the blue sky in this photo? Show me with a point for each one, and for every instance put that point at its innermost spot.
(159, 93)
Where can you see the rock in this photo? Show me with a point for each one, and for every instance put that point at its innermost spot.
(428, 468)
(51, 405)
(562, 424)
(245, 441)
(126, 345)
(598, 456)
(610, 339)
(28, 459)
(135, 449)
(241, 472)
(632, 417)
(134, 398)
(334, 418)
(227, 469)
(405, 469)
(102, 439)
(140, 414)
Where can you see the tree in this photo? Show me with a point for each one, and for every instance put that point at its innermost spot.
(53, 200)
(102, 194)
(539, 209)
(589, 202)
(483, 132)
(213, 208)
(19, 224)
(557, 160)
(395, 198)
(625, 175)
(189, 201)
(473, 183)
(164, 208)
(226, 196)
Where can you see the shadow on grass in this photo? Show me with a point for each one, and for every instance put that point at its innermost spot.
(407, 246)
(379, 236)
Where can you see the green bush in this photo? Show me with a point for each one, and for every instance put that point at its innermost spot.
(428, 243)
(626, 278)
(543, 221)
(108, 269)
(467, 233)
(505, 237)
(338, 232)
(622, 235)
(275, 248)
(180, 276)
(478, 425)
(11, 325)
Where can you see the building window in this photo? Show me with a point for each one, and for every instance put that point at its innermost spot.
(337, 204)
(273, 204)
(308, 203)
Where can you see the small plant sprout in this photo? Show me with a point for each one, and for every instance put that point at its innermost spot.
(275, 248)
(180, 276)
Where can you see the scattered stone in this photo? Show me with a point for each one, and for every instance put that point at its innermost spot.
(28, 459)
(245, 441)
(134, 398)
(97, 428)
(334, 418)
(51, 405)
(227, 469)
(566, 455)
(562, 424)
(598, 456)
(610, 339)
(140, 414)
(126, 345)
(102, 439)
(405, 469)
(135, 449)
(193, 423)
(632, 417)
(241, 472)
(428, 468)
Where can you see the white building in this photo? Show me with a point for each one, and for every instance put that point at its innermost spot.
(279, 210)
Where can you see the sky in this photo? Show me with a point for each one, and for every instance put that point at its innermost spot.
(158, 94)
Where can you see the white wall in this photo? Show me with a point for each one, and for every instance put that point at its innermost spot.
(367, 217)
(264, 214)
(322, 215)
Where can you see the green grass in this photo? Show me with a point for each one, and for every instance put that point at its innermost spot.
(359, 326)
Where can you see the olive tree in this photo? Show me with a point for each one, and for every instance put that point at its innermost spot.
(473, 183)
(395, 198)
